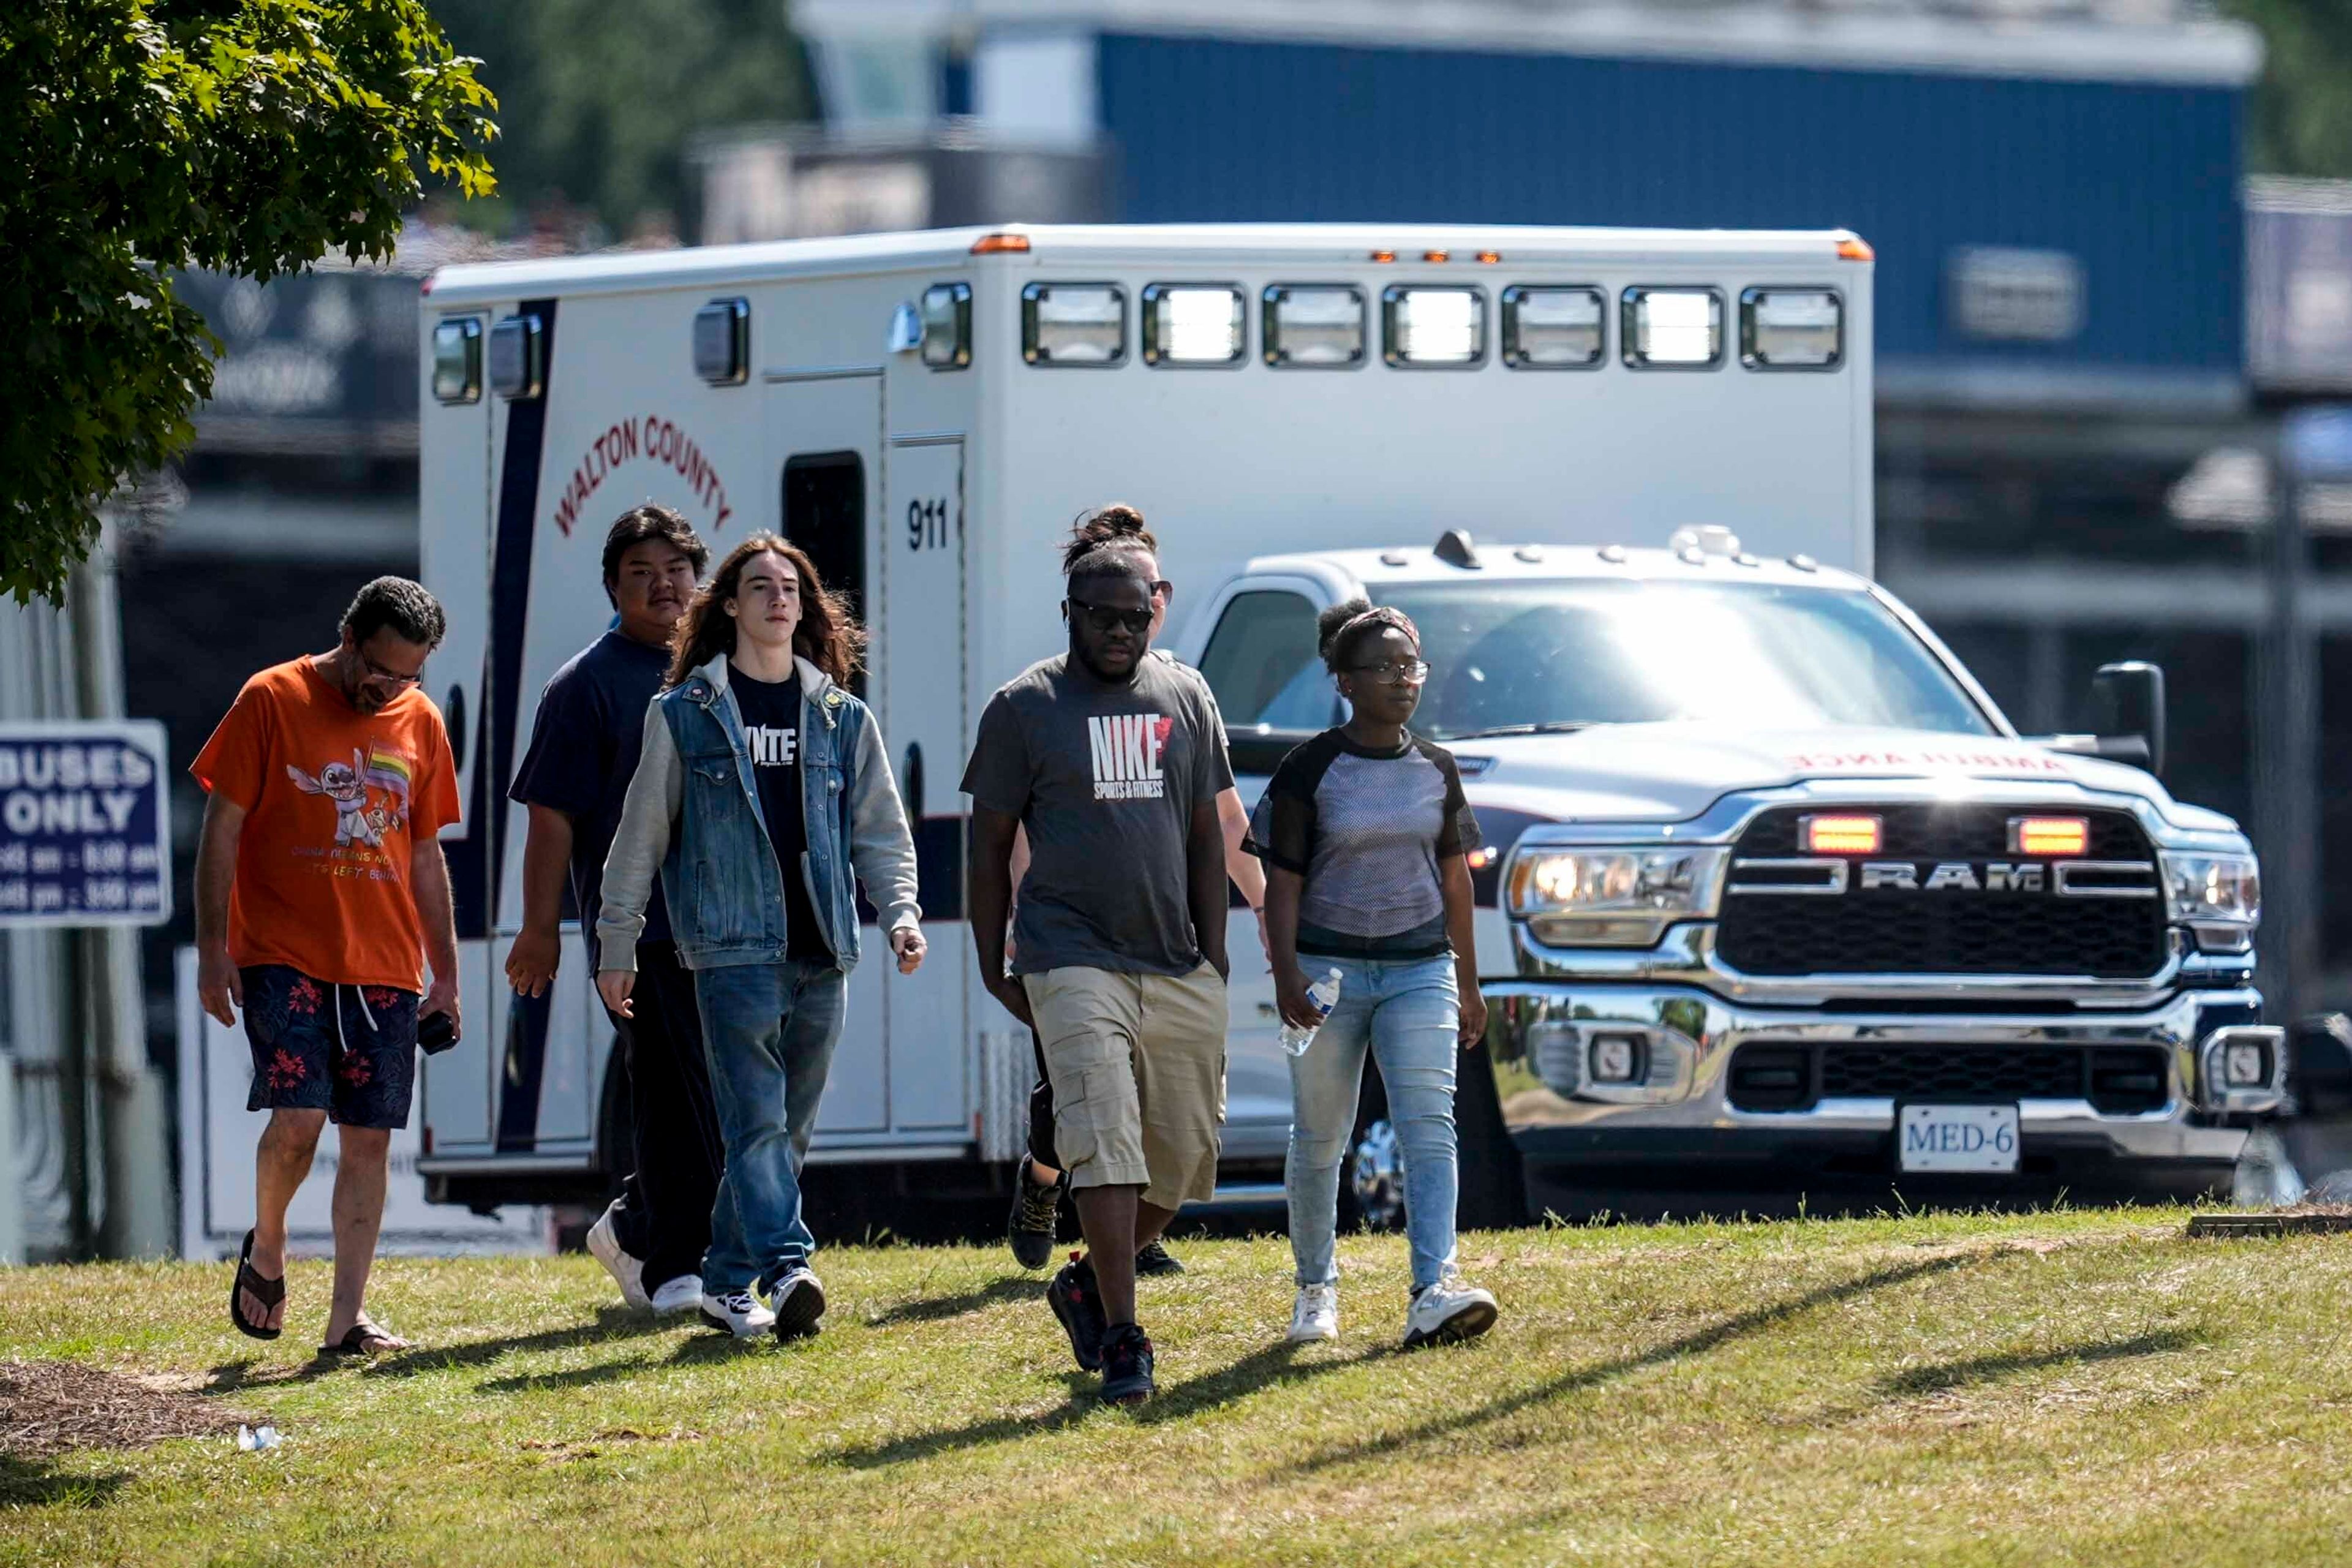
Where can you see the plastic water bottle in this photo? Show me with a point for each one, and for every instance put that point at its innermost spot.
(1325, 994)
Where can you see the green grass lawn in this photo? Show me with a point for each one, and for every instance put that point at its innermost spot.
(2080, 1387)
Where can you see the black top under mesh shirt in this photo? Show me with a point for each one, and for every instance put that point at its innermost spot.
(771, 729)
(1365, 830)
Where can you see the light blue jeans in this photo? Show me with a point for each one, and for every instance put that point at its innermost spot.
(769, 1030)
(1408, 1015)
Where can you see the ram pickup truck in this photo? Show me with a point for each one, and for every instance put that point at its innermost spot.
(1771, 885)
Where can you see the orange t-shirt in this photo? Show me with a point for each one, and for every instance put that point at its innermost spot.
(334, 799)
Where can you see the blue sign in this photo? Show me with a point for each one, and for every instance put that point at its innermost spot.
(85, 824)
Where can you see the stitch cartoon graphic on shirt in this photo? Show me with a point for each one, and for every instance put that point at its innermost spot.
(342, 784)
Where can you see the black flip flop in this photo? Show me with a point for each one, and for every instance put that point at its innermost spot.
(354, 1342)
(268, 1292)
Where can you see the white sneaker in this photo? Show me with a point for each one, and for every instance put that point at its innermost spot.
(739, 1313)
(799, 1301)
(678, 1295)
(1449, 1311)
(627, 1272)
(1316, 1316)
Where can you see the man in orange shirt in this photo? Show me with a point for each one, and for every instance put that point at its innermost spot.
(320, 895)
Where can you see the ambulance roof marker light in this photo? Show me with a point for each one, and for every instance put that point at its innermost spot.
(1001, 244)
(1804, 564)
(1436, 256)
(1612, 553)
(1853, 247)
(1383, 256)
(1490, 257)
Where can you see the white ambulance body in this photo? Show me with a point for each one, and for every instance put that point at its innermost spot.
(927, 414)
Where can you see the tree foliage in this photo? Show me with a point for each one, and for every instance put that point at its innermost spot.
(144, 136)
(2301, 119)
(601, 104)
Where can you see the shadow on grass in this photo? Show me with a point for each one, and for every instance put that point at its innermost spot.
(1275, 1366)
(611, 1324)
(1692, 1344)
(931, 1310)
(33, 1483)
(1986, 1369)
(702, 1349)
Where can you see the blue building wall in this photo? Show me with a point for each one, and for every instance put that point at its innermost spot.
(2138, 182)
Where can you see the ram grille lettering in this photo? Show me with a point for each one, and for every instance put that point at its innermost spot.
(1952, 877)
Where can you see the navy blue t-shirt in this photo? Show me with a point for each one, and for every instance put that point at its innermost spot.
(584, 750)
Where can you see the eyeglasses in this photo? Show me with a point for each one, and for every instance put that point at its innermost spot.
(378, 673)
(1103, 617)
(1398, 672)
(1163, 590)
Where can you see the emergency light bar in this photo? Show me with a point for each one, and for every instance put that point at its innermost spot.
(1672, 329)
(457, 359)
(1433, 328)
(1791, 329)
(947, 326)
(1553, 328)
(2048, 835)
(1074, 323)
(1189, 324)
(1316, 326)
(1843, 834)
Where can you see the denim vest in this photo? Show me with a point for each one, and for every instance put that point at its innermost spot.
(721, 877)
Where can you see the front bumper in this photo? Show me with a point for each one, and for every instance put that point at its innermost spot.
(1544, 1033)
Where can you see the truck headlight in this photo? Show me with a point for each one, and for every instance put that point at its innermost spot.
(1613, 897)
(2218, 897)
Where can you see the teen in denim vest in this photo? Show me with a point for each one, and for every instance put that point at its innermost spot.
(761, 784)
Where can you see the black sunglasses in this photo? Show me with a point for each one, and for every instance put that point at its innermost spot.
(1103, 617)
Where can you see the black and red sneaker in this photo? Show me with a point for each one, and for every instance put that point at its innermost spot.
(1127, 1365)
(1078, 1305)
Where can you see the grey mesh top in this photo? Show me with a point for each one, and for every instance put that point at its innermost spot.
(1365, 830)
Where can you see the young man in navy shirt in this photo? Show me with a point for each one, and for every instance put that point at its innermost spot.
(584, 750)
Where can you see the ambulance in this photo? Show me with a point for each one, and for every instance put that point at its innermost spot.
(1769, 879)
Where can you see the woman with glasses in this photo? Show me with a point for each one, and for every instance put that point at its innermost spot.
(1365, 831)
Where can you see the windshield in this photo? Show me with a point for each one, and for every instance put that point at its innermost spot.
(1508, 656)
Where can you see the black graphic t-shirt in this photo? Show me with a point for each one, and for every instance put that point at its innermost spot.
(1105, 779)
(770, 710)
(583, 751)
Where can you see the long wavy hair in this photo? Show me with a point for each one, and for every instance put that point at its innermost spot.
(828, 636)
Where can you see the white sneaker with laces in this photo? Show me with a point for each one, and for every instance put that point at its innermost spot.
(627, 1272)
(1316, 1314)
(739, 1313)
(799, 1301)
(1449, 1311)
(678, 1295)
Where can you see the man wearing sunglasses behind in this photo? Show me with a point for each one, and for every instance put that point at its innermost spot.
(1112, 764)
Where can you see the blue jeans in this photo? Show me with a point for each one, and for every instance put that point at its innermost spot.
(769, 1030)
(1408, 1014)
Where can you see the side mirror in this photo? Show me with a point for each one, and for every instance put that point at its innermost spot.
(2127, 706)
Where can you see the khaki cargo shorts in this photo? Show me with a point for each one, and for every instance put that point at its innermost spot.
(1138, 1066)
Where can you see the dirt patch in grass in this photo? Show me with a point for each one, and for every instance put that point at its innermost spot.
(53, 1407)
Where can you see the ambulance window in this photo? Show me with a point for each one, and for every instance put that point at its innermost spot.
(1261, 662)
(825, 514)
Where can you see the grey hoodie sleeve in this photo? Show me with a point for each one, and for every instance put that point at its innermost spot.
(657, 790)
(880, 847)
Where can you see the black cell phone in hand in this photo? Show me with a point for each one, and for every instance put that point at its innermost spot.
(435, 1033)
